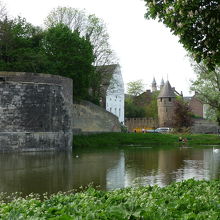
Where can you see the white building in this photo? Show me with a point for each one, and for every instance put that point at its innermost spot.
(112, 90)
(115, 94)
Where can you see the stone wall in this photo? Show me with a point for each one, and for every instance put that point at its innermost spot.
(90, 118)
(134, 123)
(35, 112)
(202, 126)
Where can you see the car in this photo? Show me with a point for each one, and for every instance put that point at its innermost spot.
(163, 130)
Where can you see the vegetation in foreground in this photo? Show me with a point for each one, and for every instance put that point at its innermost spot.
(137, 139)
(189, 199)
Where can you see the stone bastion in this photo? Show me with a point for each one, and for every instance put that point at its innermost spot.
(35, 112)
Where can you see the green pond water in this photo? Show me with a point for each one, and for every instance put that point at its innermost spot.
(106, 168)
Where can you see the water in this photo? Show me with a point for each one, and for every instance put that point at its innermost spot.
(107, 168)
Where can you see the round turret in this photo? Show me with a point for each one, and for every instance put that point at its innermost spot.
(165, 102)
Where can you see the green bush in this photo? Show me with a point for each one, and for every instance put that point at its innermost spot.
(189, 199)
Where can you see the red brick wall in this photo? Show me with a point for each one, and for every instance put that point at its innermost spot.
(196, 106)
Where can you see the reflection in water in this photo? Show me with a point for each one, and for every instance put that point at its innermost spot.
(110, 169)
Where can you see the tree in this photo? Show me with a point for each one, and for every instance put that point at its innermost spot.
(135, 88)
(93, 29)
(182, 115)
(58, 50)
(88, 26)
(132, 110)
(20, 46)
(3, 11)
(71, 56)
(207, 87)
(196, 22)
(152, 108)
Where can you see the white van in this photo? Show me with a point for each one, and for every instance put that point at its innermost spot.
(163, 130)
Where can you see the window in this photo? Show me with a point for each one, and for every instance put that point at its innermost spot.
(169, 99)
(160, 99)
(119, 112)
(110, 109)
(115, 110)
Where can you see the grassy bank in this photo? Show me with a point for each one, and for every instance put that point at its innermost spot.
(137, 139)
(185, 200)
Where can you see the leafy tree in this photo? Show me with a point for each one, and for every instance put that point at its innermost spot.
(135, 88)
(94, 30)
(88, 26)
(20, 46)
(151, 108)
(58, 50)
(207, 87)
(182, 115)
(69, 55)
(132, 110)
(196, 22)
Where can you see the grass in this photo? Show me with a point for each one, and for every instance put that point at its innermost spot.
(147, 139)
(189, 199)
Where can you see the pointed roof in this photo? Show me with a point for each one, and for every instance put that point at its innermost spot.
(154, 81)
(167, 91)
(162, 82)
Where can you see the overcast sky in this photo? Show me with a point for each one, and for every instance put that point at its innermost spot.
(145, 49)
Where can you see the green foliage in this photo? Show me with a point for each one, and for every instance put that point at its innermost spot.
(207, 87)
(58, 50)
(94, 30)
(196, 23)
(87, 25)
(189, 199)
(135, 87)
(182, 115)
(69, 55)
(132, 110)
(151, 108)
(20, 46)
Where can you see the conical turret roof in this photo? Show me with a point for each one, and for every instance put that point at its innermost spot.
(167, 91)
(154, 81)
(162, 82)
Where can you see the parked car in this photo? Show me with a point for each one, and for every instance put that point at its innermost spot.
(163, 130)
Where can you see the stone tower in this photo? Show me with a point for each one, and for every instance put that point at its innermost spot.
(161, 84)
(154, 85)
(165, 103)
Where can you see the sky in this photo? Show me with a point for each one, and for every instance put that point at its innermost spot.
(145, 48)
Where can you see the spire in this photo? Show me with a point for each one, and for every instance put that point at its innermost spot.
(167, 91)
(154, 85)
(154, 81)
(161, 83)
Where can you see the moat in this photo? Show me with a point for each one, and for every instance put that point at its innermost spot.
(107, 168)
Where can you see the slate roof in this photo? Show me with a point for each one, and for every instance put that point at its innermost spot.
(162, 82)
(167, 91)
(154, 81)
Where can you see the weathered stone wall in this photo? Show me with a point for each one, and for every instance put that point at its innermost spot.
(90, 118)
(134, 123)
(35, 112)
(202, 126)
